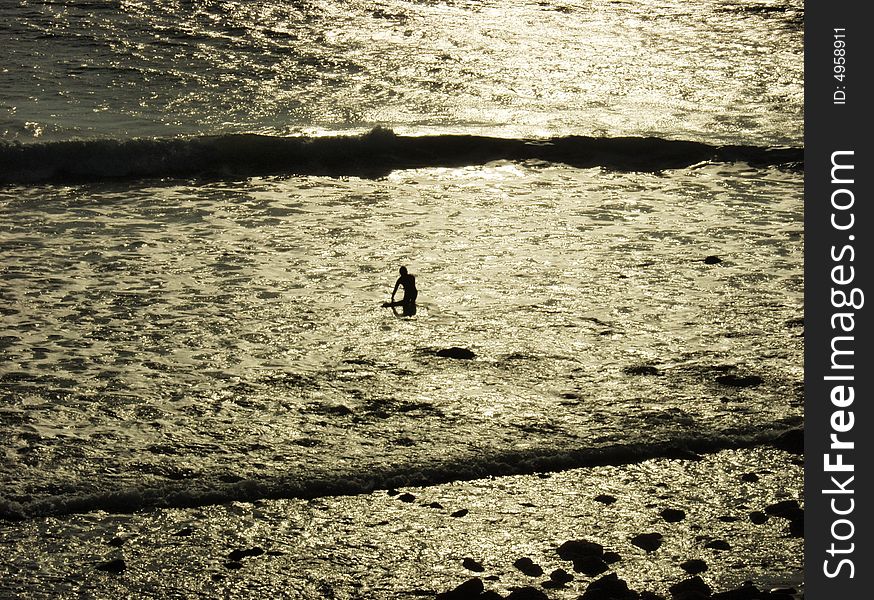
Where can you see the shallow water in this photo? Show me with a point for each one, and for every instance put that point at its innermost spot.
(208, 332)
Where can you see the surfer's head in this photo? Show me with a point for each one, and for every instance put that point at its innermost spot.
(403, 270)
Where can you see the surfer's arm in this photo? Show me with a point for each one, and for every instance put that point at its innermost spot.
(395, 291)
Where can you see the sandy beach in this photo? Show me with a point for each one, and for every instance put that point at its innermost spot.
(723, 514)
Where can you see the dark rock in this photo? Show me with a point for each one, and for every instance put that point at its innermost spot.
(490, 595)
(718, 545)
(740, 381)
(605, 499)
(234, 565)
(492, 578)
(529, 567)
(472, 588)
(648, 541)
(745, 592)
(434, 505)
(116, 542)
(647, 595)
(472, 565)
(392, 492)
(611, 557)
(690, 589)
(113, 566)
(673, 515)
(784, 509)
(527, 593)
(609, 587)
(728, 519)
(790, 441)
(236, 555)
(590, 565)
(758, 517)
(749, 477)
(575, 549)
(561, 576)
(712, 260)
(406, 498)
(694, 566)
(796, 524)
(641, 370)
(455, 352)
(460, 513)
(184, 532)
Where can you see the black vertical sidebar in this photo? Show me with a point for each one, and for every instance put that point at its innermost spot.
(839, 299)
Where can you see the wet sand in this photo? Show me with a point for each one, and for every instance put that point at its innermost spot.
(733, 514)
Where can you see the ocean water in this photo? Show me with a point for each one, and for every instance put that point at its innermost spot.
(204, 204)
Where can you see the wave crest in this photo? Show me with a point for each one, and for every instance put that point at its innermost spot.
(373, 154)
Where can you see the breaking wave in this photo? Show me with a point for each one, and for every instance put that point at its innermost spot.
(205, 491)
(373, 154)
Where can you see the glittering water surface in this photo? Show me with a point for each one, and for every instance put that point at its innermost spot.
(716, 70)
(218, 330)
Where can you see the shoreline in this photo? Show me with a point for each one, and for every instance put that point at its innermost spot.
(722, 509)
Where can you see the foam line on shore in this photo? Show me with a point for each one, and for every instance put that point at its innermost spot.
(202, 491)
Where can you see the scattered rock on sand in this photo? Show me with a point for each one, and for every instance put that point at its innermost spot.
(694, 566)
(529, 567)
(472, 588)
(527, 593)
(456, 352)
(472, 565)
(718, 545)
(758, 517)
(406, 497)
(590, 565)
(575, 549)
(749, 477)
(113, 566)
(693, 588)
(647, 541)
(558, 578)
(673, 515)
(611, 557)
(460, 513)
(790, 441)
(783, 509)
(605, 499)
(712, 260)
(236, 555)
(609, 587)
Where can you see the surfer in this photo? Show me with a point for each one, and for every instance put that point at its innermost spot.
(408, 282)
(408, 302)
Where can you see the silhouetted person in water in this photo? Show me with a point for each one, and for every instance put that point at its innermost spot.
(408, 282)
(408, 302)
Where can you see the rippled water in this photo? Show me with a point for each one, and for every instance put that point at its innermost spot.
(712, 70)
(215, 331)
